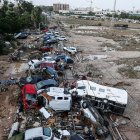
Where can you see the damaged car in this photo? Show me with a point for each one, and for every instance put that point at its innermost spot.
(30, 79)
(39, 133)
(56, 98)
(29, 93)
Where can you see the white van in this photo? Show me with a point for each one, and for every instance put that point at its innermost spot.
(57, 98)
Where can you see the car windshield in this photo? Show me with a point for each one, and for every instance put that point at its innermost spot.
(40, 84)
(48, 90)
(31, 97)
(50, 59)
(47, 132)
(37, 65)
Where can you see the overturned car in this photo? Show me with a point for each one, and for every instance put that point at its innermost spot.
(104, 98)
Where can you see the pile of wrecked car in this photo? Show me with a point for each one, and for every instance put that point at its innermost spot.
(65, 111)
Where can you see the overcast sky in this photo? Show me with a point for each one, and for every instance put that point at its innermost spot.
(104, 4)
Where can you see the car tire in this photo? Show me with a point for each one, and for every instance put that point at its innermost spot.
(85, 105)
(74, 93)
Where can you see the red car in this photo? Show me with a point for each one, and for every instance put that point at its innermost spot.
(29, 94)
(46, 49)
(45, 30)
(46, 64)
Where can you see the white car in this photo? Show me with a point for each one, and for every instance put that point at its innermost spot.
(57, 33)
(62, 38)
(71, 50)
(48, 59)
(33, 63)
(39, 133)
(56, 98)
(103, 97)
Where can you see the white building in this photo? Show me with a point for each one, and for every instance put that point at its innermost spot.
(64, 11)
(85, 11)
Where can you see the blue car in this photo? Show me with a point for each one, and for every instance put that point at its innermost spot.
(65, 58)
(46, 83)
(51, 71)
(69, 60)
(60, 57)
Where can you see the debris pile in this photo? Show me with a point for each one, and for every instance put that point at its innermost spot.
(58, 96)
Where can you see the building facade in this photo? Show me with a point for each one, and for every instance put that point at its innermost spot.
(60, 7)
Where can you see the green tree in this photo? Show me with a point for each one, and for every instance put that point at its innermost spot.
(91, 13)
(124, 15)
(36, 16)
(47, 8)
(109, 15)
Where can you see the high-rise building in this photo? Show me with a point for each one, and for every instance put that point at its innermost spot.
(60, 7)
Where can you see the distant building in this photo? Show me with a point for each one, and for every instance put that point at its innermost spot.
(85, 11)
(60, 7)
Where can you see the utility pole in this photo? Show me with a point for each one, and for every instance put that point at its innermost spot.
(114, 6)
(91, 2)
(114, 11)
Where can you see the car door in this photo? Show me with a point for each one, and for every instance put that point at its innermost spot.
(60, 103)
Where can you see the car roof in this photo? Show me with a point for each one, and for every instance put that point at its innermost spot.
(57, 91)
(29, 89)
(49, 81)
(30, 133)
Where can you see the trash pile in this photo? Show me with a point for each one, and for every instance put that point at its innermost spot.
(55, 105)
